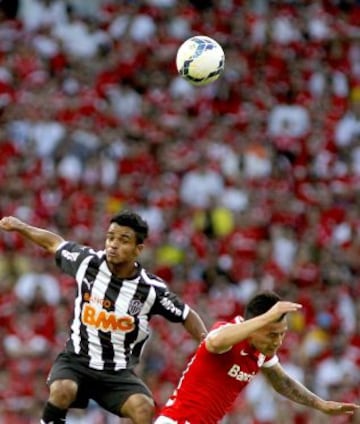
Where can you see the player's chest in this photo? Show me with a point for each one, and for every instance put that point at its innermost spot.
(127, 296)
(242, 365)
(113, 309)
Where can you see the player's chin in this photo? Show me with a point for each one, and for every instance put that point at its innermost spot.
(271, 351)
(112, 258)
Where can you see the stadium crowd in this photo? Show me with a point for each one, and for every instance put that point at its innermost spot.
(249, 183)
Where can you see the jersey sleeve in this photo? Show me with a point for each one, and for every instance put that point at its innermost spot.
(70, 255)
(169, 305)
(270, 362)
(216, 326)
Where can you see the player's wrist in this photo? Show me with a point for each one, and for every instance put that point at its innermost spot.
(321, 405)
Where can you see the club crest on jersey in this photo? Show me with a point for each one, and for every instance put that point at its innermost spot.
(135, 307)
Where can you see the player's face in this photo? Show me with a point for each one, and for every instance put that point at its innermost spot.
(268, 339)
(120, 244)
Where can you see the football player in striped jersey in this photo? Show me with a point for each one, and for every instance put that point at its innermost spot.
(115, 300)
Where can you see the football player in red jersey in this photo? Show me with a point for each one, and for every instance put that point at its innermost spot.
(230, 357)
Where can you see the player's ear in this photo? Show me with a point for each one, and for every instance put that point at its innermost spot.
(139, 248)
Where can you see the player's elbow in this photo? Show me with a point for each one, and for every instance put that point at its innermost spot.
(215, 344)
(51, 248)
(53, 244)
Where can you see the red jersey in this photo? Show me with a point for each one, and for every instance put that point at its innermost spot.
(211, 382)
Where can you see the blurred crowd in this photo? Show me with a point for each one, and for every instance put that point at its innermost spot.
(249, 183)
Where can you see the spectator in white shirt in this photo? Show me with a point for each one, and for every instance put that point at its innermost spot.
(201, 185)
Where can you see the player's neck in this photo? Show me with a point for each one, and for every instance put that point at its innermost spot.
(126, 270)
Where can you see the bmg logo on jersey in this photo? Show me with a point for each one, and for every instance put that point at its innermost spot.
(106, 321)
(235, 372)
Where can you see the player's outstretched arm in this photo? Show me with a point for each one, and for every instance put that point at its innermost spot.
(295, 391)
(43, 238)
(195, 326)
(223, 338)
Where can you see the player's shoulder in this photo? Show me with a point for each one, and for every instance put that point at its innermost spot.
(152, 279)
(72, 250)
(221, 323)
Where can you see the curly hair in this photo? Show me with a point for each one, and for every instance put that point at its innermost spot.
(132, 220)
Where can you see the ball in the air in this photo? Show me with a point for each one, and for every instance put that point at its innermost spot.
(200, 60)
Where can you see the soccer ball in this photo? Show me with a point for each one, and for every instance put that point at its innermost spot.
(200, 60)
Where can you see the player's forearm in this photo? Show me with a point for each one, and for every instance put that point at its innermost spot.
(223, 338)
(43, 238)
(195, 326)
(292, 389)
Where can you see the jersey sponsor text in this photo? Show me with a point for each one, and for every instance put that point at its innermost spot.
(106, 321)
(169, 305)
(235, 372)
(106, 303)
(70, 256)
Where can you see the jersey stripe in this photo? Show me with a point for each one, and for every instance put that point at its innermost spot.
(127, 290)
(75, 338)
(108, 353)
(137, 338)
(98, 290)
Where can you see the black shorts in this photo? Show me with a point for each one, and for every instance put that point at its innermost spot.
(110, 389)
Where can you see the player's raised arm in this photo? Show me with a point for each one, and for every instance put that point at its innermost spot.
(295, 391)
(43, 238)
(223, 338)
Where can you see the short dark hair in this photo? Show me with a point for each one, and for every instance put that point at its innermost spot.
(132, 220)
(261, 303)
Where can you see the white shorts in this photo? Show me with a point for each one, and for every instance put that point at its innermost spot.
(165, 420)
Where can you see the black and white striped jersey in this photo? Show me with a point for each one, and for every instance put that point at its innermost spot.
(111, 315)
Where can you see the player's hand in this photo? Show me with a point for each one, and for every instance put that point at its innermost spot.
(10, 223)
(338, 408)
(281, 308)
